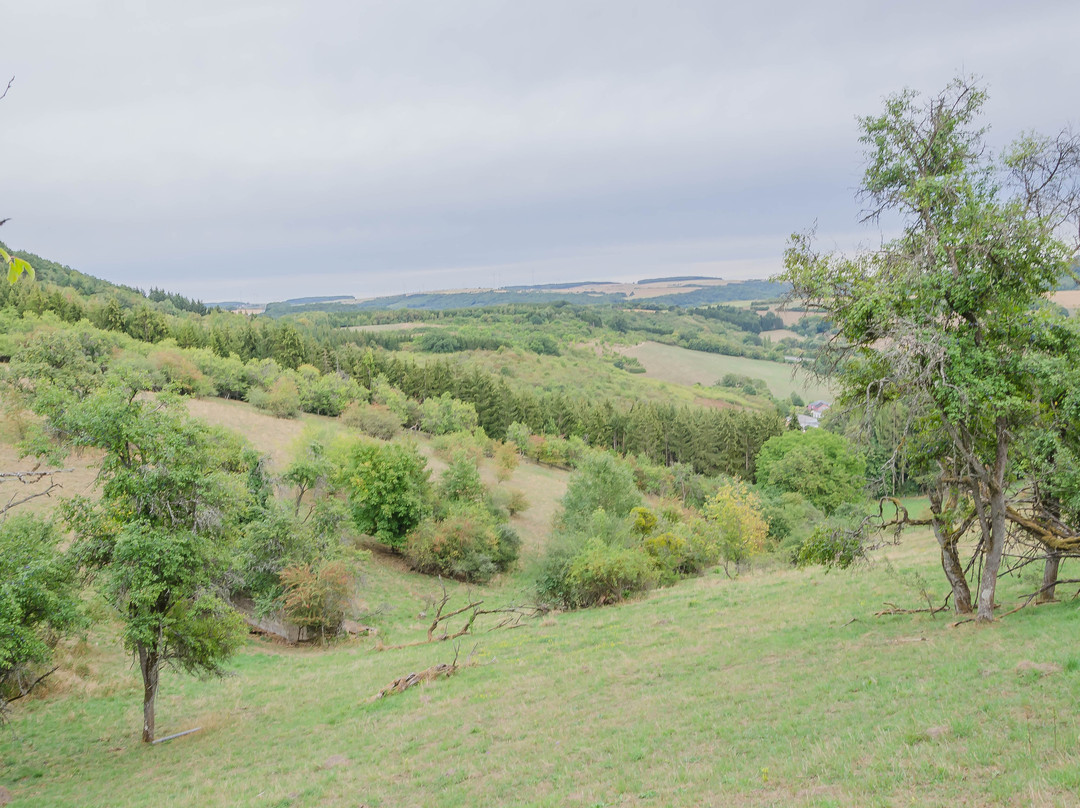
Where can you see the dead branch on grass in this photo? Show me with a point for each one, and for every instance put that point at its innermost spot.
(441, 670)
(894, 609)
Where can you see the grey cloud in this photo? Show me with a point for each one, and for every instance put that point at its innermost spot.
(445, 143)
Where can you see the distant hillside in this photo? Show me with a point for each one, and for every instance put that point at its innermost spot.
(653, 292)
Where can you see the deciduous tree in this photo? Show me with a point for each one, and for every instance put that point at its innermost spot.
(948, 317)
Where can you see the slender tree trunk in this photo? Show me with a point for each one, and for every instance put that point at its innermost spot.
(950, 559)
(954, 571)
(996, 548)
(1050, 576)
(150, 667)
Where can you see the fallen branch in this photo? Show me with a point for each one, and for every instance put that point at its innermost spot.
(894, 609)
(1038, 592)
(440, 671)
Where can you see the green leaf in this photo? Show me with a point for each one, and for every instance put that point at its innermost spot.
(16, 267)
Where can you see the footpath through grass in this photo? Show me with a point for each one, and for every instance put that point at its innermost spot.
(777, 688)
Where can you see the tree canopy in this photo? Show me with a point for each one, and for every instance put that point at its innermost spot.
(950, 316)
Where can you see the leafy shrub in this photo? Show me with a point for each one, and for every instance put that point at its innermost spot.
(791, 518)
(506, 461)
(461, 481)
(38, 594)
(442, 414)
(281, 400)
(318, 595)
(327, 393)
(474, 445)
(596, 574)
(181, 374)
(602, 481)
(822, 467)
(372, 419)
(735, 512)
(466, 544)
(518, 434)
(829, 546)
(388, 490)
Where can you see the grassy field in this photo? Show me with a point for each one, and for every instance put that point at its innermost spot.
(777, 688)
(581, 371)
(685, 367)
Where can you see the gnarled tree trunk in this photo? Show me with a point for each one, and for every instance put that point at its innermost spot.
(150, 667)
(1050, 576)
(996, 547)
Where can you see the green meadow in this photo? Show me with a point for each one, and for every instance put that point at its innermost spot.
(778, 687)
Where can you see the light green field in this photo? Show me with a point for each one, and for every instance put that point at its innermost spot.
(778, 688)
(685, 367)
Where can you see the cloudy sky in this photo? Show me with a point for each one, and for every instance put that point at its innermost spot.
(262, 149)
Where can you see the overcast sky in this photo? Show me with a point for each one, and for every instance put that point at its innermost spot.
(260, 150)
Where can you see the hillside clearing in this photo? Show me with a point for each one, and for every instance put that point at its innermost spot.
(685, 367)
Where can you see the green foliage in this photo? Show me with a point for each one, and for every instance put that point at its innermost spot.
(518, 434)
(596, 574)
(38, 594)
(602, 481)
(735, 512)
(444, 414)
(388, 490)
(281, 400)
(506, 461)
(16, 267)
(460, 482)
(819, 465)
(790, 517)
(172, 490)
(467, 543)
(830, 546)
(162, 582)
(372, 419)
(327, 393)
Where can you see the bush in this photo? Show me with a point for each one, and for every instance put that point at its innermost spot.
(372, 419)
(318, 595)
(735, 512)
(472, 444)
(327, 394)
(597, 574)
(388, 490)
(38, 593)
(467, 544)
(281, 400)
(602, 481)
(461, 481)
(443, 414)
(791, 518)
(830, 546)
(181, 374)
(822, 467)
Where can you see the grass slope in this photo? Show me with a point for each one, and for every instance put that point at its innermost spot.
(777, 688)
(685, 367)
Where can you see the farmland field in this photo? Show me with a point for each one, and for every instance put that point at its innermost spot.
(685, 367)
